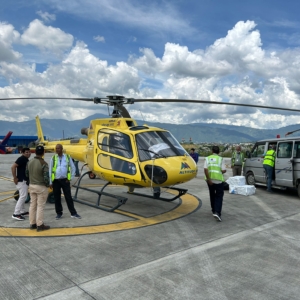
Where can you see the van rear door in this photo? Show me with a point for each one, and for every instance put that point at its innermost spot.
(283, 164)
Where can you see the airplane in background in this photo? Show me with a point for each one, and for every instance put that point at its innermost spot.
(3, 144)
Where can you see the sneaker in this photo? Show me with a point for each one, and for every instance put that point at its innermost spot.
(42, 227)
(270, 191)
(25, 214)
(58, 216)
(18, 217)
(217, 217)
(76, 216)
(33, 226)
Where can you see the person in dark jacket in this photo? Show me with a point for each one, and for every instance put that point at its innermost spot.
(194, 155)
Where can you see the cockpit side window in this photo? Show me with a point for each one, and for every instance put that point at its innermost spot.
(115, 142)
(119, 144)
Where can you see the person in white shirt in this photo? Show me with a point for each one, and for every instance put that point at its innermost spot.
(61, 171)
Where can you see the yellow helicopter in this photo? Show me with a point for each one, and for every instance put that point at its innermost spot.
(121, 152)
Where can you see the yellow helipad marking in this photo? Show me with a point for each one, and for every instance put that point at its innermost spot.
(6, 178)
(7, 192)
(11, 193)
(189, 204)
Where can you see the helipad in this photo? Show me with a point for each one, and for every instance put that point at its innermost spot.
(252, 254)
(184, 206)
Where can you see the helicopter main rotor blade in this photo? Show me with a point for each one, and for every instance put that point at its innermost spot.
(43, 98)
(109, 100)
(214, 102)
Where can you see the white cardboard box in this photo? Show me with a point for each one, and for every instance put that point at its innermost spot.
(245, 190)
(236, 180)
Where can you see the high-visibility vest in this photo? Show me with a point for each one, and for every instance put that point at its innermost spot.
(269, 158)
(234, 156)
(214, 167)
(54, 166)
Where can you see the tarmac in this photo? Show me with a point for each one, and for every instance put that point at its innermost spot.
(151, 249)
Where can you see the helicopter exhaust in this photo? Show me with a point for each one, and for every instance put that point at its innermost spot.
(84, 131)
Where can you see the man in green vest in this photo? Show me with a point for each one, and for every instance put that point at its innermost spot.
(268, 164)
(237, 161)
(214, 168)
(61, 171)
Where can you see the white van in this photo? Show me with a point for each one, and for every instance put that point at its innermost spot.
(287, 163)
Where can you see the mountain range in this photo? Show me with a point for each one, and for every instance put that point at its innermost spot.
(196, 132)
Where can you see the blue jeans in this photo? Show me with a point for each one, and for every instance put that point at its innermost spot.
(76, 167)
(269, 174)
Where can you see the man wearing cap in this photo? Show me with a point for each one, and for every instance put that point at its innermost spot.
(61, 172)
(237, 161)
(38, 172)
(20, 180)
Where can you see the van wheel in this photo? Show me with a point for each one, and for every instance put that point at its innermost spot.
(250, 178)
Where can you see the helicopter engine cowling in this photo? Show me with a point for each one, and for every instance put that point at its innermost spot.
(84, 131)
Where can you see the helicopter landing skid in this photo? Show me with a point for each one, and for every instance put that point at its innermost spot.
(180, 193)
(121, 200)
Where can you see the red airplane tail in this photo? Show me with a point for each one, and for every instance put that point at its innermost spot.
(3, 143)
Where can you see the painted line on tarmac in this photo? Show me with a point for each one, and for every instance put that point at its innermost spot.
(7, 192)
(6, 178)
(189, 204)
(11, 193)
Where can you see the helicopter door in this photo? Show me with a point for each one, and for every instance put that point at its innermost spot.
(104, 159)
(117, 153)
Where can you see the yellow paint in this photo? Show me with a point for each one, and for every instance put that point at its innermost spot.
(189, 204)
(7, 193)
(5, 178)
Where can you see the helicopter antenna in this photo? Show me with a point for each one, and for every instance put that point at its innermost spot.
(142, 115)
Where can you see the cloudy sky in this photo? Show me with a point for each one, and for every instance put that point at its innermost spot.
(232, 51)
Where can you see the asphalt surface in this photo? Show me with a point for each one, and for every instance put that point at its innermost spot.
(152, 249)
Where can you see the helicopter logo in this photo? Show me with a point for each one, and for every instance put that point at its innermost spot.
(186, 169)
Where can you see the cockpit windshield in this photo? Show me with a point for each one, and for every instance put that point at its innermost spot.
(158, 144)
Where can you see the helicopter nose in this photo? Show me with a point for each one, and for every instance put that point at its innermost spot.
(172, 171)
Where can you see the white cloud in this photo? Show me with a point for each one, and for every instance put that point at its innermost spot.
(47, 38)
(149, 16)
(99, 38)
(8, 36)
(46, 16)
(234, 68)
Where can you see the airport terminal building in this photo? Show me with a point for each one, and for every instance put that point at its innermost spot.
(19, 141)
